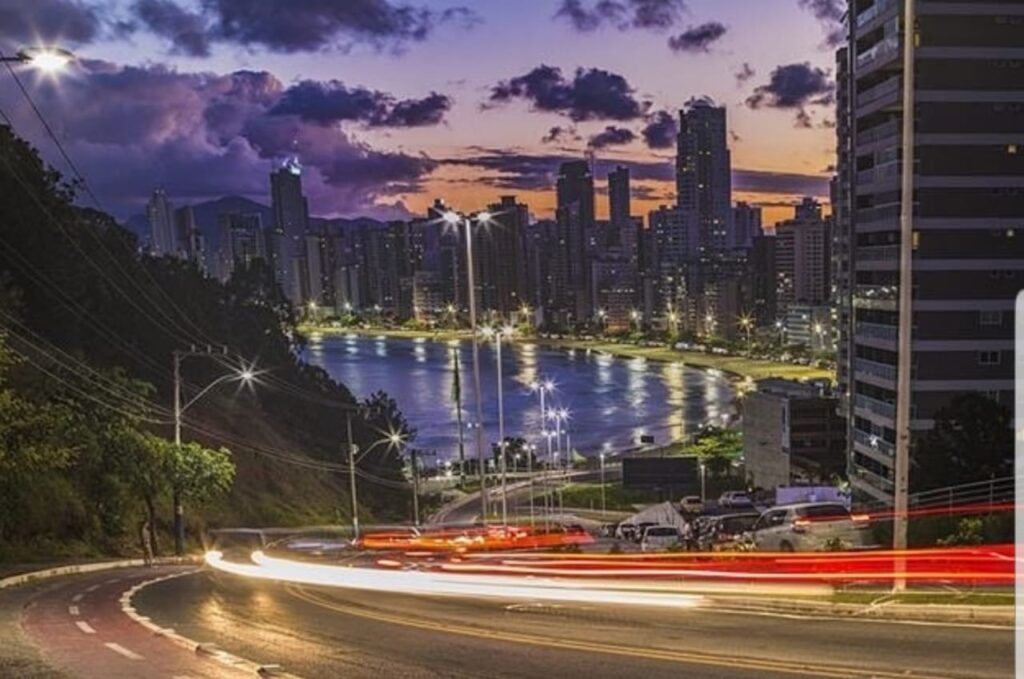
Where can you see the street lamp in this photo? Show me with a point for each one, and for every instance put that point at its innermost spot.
(542, 387)
(602, 315)
(703, 483)
(673, 319)
(505, 332)
(747, 324)
(46, 59)
(453, 219)
(244, 375)
(634, 316)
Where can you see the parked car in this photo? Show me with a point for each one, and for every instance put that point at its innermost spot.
(811, 527)
(691, 504)
(641, 528)
(725, 531)
(657, 538)
(626, 531)
(735, 499)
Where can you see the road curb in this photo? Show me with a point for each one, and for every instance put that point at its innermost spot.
(1000, 616)
(99, 566)
(205, 649)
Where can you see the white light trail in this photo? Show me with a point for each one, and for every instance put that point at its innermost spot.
(445, 584)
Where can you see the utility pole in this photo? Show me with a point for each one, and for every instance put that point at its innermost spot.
(458, 416)
(352, 475)
(905, 346)
(604, 506)
(415, 489)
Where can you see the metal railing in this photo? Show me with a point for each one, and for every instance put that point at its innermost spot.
(873, 12)
(874, 442)
(880, 370)
(883, 408)
(878, 253)
(887, 88)
(879, 292)
(879, 132)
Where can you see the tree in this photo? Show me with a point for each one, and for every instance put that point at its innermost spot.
(717, 448)
(972, 440)
(143, 467)
(195, 474)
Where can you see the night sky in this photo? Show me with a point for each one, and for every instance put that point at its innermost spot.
(391, 103)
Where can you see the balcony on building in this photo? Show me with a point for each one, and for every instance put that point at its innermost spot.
(871, 15)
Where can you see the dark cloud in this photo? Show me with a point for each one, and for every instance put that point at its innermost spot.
(661, 130)
(612, 136)
(697, 39)
(333, 102)
(591, 94)
(560, 133)
(786, 183)
(795, 86)
(830, 14)
(803, 120)
(745, 73)
(311, 25)
(186, 30)
(49, 21)
(512, 169)
(203, 135)
(588, 16)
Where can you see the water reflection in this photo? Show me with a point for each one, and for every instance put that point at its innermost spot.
(612, 400)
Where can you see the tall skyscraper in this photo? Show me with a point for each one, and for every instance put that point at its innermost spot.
(162, 232)
(620, 220)
(500, 257)
(938, 321)
(575, 216)
(746, 219)
(291, 220)
(704, 175)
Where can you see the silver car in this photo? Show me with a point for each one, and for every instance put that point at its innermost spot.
(811, 527)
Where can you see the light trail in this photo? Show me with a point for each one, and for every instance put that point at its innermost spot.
(444, 584)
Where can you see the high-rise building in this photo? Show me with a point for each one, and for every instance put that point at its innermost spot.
(575, 217)
(620, 221)
(189, 238)
(673, 246)
(162, 233)
(704, 175)
(746, 224)
(500, 258)
(803, 257)
(942, 317)
(764, 281)
(291, 220)
(242, 241)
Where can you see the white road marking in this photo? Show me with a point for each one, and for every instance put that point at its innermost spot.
(118, 648)
(85, 627)
(73, 610)
(92, 588)
(112, 581)
(75, 599)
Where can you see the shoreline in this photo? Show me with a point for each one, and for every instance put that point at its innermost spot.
(735, 368)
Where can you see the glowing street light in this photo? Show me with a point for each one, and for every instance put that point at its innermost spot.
(244, 375)
(505, 332)
(746, 322)
(46, 59)
(454, 219)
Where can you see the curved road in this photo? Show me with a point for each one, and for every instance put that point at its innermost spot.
(315, 632)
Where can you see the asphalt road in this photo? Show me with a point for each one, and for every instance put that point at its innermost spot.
(316, 632)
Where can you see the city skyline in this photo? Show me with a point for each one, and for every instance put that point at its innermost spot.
(391, 134)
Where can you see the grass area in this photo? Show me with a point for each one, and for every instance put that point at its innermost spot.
(737, 365)
(969, 598)
(617, 498)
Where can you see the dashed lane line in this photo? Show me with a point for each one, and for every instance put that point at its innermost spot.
(73, 610)
(85, 627)
(75, 599)
(121, 650)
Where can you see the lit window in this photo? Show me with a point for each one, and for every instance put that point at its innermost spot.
(1012, 149)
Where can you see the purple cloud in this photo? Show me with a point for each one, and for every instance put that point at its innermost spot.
(622, 14)
(333, 102)
(612, 136)
(202, 135)
(591, 94)
(661, 130)
(697, 39)
(187, 31)
(794, 87)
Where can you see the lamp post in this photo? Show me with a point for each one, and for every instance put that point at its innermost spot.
(542, 387)
(243, 375)
(454, 219)
(747, 324)
(634, 316)
(505, 332)
(602, 316)
(703, 483)
(604, 506)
